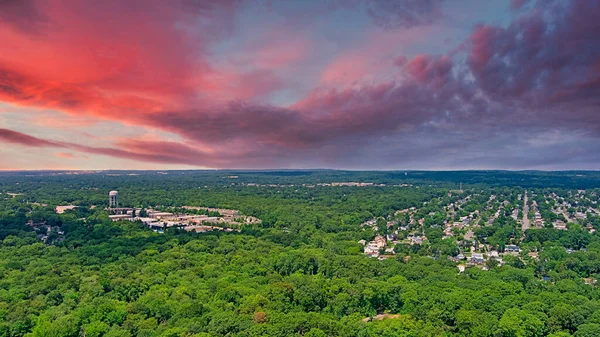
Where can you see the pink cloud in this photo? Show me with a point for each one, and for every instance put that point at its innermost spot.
(65, 155)
(430, 70)
(372, 60)
(277, 47)
(68, 155)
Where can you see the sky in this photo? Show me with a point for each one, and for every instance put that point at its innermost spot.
(299, 84)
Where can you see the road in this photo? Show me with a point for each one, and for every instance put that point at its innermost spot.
(525, 214)
(565, 214)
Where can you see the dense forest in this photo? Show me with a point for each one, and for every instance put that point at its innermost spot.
(302, 270)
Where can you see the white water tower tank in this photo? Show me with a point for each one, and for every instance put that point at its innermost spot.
(113, 199)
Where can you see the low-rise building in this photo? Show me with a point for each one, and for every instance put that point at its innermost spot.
(117, 217)
(62, 209)
(159, 215)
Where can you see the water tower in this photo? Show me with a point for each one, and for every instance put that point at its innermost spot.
(113, 199)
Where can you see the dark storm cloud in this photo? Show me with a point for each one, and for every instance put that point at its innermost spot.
(22, 15)
(547, 62)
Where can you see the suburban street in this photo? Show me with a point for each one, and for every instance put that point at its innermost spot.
(525, 214)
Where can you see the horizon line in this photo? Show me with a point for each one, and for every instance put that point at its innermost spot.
(297, 169)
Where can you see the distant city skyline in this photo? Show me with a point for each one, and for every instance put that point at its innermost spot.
(259, 84)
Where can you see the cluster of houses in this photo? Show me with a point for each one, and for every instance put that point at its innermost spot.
(43, 231)
(381, 246)
(538, 221)
(450, 227)
(561, 206)
(377, 248)
(349, 183)
(479, 259)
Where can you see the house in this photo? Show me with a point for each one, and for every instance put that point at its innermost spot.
(477, 258)
(493, 253)
(533, 255)
(512, 249)
(370, 223)
(371, 250)
(415, 240)
(560, 225)
(379, 241)
(373, 247)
